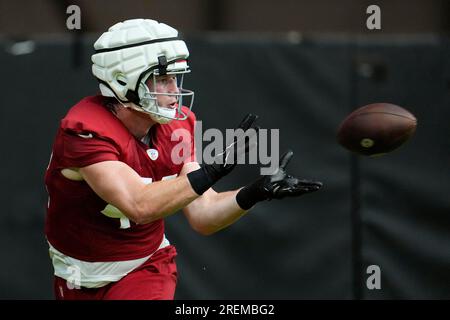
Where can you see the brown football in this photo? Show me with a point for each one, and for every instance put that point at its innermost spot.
(376, 129)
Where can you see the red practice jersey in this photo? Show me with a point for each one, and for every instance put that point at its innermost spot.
(79, 223)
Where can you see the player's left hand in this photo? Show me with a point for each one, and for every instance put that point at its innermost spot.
(275, 186)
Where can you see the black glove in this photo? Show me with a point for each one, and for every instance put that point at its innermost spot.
(275, 186)
(203, 178)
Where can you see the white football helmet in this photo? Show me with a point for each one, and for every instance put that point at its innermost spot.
(132, 51)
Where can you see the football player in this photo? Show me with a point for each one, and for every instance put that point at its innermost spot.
(111, 179)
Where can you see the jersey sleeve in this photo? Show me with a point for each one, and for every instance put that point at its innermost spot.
(80, 150)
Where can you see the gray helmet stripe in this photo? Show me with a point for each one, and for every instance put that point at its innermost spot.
(136, 44)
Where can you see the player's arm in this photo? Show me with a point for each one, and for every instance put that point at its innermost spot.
(118, 184)
(214, 211)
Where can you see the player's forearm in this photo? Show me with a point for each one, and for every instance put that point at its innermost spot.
(214, 211)
(163, 198)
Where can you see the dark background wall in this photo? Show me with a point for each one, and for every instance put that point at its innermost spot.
(23, 17)
(393, 211)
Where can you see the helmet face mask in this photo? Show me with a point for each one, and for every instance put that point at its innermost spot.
(152, 100)
(130, 58)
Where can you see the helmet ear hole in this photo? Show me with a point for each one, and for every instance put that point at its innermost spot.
(121, 79)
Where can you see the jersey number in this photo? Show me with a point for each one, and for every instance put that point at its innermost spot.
(112, 212)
